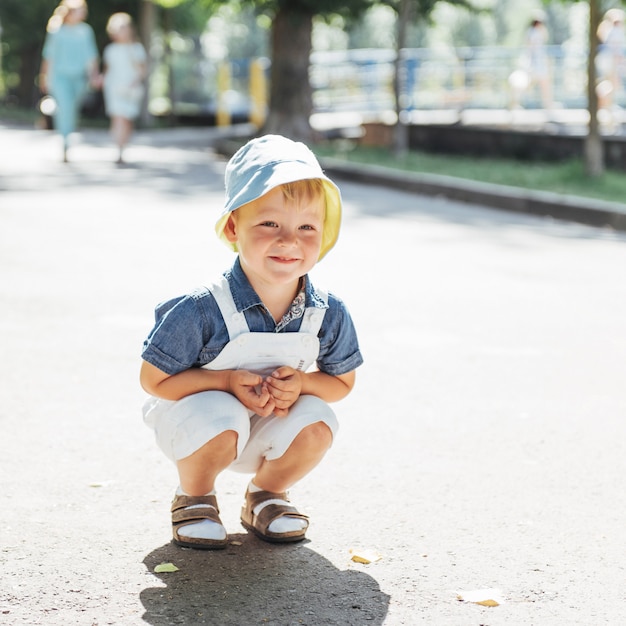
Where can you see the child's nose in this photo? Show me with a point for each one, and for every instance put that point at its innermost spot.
(288, 237)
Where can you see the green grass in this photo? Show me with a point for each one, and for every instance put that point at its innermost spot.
(564, 178)
(18, 115)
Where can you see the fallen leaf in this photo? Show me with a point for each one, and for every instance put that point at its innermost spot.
(365, 556)
(484, 597)
(102, 483)
(165, 567)
(236, 543)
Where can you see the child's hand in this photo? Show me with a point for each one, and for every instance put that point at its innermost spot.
(252, 392)
(284, 385)
(96, 81)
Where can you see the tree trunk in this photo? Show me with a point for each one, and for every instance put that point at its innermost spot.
(291, 98)
(401, 129)
(147, 21)
(594, 150)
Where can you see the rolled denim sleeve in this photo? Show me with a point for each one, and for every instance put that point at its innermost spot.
(339, 346)
(177, 339)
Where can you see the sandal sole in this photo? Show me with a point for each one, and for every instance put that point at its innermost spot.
(218, 545)
(272, 538)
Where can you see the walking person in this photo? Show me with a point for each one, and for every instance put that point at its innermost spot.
(610, 58)
(228, 366)
(125, 67)
(69, 64)
(538, 62)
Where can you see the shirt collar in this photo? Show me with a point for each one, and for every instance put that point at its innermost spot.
(245, 297)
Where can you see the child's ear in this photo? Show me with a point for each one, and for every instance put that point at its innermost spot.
(230, 229)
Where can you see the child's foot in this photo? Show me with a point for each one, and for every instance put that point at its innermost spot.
(196, 522)
(271, 517)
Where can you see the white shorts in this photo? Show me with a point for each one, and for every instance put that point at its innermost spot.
(181, 427)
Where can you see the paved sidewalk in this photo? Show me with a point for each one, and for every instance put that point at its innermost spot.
(483, 447)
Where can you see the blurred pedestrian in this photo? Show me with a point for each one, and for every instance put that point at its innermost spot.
(125, 67)
(229, 366)
(610, 59)
(69, 64)
(538, 65)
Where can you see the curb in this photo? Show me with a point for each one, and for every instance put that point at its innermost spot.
(590, 211)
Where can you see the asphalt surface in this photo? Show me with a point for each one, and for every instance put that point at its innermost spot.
(484, 446)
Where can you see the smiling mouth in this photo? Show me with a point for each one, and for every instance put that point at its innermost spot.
(284, 259)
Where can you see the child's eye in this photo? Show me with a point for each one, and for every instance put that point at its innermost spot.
(307, 227)
(269, 223)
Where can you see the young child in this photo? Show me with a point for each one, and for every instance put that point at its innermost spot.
(227, 366)
(124, 72)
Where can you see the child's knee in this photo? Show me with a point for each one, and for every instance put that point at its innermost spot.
(226, 443)
(318, 413)
(317, 435)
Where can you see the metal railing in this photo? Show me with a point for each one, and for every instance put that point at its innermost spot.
(361, 81)
(452, 78)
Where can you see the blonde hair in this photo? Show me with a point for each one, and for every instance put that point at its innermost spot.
(118, 21)
(307, 189)
(58, 17)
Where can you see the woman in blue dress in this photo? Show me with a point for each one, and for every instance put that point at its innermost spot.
(70, 63)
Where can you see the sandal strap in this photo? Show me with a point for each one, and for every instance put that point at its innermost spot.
(271, 511)
(253, 498)
(204, 507)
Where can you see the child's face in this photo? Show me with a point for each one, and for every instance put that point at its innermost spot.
(122, 34)
(278, 240)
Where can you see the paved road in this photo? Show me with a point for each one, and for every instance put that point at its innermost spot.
(484, 445)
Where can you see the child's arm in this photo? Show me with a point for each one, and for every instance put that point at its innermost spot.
(327, 387)
(43, 76)
(286, 385)
(245, 386)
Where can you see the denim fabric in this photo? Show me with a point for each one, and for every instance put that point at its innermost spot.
(190, 331)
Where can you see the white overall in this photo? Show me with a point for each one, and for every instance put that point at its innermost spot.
(183, 426)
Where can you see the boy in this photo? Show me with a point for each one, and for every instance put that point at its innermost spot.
(227, 365)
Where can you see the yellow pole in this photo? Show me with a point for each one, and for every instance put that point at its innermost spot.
(258, 92)
(222, 116)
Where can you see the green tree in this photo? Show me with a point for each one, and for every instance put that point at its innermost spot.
(409, 11)
(23, 30)
(290, 97)
(291, 102)
(594, 148)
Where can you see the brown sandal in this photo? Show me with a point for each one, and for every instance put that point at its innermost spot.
(183, 516)
(258, 524)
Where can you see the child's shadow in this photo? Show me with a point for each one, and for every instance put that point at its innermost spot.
(259, 583)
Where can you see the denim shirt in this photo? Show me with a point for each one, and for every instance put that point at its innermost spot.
(190, 331)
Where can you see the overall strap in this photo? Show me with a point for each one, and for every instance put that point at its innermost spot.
(235, 321)
(314, 316)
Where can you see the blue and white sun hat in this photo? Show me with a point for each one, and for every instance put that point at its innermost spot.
(267, 162)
